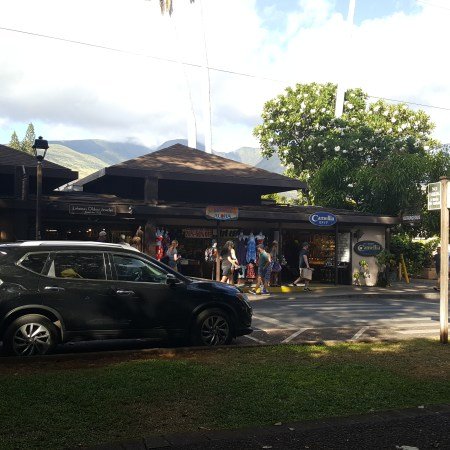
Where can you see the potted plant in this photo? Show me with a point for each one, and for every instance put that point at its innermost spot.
(361, 273)
(384, 262)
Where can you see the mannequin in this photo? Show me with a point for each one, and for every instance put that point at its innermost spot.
(159, 250)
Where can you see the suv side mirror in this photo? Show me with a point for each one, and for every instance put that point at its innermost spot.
(172, 279)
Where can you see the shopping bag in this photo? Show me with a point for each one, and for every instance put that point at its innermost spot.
(306, 273)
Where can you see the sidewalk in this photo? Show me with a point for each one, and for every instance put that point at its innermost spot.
(416, 288)
(420, 427)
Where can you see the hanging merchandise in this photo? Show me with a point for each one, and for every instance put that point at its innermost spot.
(241, 249)
(159, 250)
(260, 238)
(251, 248)
(166, 242)
(250, 273)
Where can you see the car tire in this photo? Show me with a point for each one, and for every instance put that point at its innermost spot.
(212, 327)
(30, 335)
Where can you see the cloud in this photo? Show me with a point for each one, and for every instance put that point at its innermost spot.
(77, 91)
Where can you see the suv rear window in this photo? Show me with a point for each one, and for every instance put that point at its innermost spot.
(89, 266)
(34, 262)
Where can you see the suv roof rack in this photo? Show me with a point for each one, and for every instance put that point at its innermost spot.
(72, 243)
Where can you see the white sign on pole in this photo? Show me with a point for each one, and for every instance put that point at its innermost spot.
(434, 196)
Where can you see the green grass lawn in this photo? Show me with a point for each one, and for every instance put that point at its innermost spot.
(71, 403)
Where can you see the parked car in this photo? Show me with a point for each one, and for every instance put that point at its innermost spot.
(55, 292)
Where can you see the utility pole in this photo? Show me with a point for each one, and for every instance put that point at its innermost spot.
(444, 262)
(206, 89)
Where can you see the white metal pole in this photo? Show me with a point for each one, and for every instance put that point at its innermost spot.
(444, 262)
(341, 87)
(206, 89)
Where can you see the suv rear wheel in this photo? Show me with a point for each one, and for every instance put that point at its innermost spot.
(212, 327)
(30, 335)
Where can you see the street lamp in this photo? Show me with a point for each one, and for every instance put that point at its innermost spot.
(40, 148)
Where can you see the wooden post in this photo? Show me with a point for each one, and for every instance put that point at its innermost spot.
(444, 263)
(218, 253)
(336, 256)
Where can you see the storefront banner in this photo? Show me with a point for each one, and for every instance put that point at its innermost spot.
(222, 212)
(93, 210)
(323, 219)
(198, 233)
(368, 248)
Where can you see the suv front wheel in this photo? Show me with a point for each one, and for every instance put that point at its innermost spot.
(212, 327)
(30, 335)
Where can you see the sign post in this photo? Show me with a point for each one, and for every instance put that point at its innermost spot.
(444, 262)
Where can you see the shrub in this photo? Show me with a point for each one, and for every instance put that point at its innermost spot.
(418, 255)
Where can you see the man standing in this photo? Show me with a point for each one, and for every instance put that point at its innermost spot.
(303, 263)
(264, 270)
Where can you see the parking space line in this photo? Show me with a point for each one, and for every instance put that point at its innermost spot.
(274, 321)
(294, 335)
(254, 339)
(426, 331)
(359, 333)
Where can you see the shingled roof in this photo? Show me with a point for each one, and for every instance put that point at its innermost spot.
(16, 158)
(180, 162)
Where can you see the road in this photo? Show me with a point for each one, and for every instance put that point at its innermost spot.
(297, 318)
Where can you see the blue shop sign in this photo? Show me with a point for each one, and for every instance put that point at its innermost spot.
(323, 219)
(368, 248)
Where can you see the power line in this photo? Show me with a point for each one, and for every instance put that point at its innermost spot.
(410, 103)
(130, 52)
(433, 5)
(173, 61)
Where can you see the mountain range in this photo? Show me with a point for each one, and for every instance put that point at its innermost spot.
(89, 155)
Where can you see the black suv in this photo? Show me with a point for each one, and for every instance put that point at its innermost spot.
(54, 292)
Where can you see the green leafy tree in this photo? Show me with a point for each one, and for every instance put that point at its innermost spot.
(14, 142)
(28, 141)
(374, 158)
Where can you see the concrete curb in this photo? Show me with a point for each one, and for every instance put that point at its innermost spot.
(175, 440)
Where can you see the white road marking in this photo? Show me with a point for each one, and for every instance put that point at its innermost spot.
(254, 339)
(294, 335)
(274, 321)
(435, 331)
(359, 333)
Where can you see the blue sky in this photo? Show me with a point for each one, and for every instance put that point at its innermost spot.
(84, 92)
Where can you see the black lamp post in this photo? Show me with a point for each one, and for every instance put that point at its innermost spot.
(40, 148)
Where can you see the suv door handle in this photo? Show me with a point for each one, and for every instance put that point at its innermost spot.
(123, 293)
(54, 289)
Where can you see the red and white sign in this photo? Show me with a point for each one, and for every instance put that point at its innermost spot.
(222, 212)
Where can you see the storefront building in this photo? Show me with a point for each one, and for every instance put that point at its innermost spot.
(194, 197)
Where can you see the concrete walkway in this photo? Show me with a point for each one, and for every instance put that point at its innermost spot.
(406, 429)
(418, 288)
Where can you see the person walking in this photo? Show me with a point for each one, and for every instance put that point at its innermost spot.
(228, 262)
(264, 270)
(303, 263)
(437, 263)
(173, 256)
(275, 264)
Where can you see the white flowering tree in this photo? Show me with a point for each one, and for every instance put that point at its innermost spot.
(373, 158)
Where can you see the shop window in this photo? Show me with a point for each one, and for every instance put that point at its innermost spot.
(89, 266)
(34, 262)
(135, 269)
